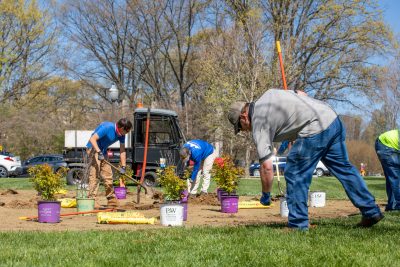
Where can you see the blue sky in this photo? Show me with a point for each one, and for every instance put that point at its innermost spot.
(391, 15)
(391, 9)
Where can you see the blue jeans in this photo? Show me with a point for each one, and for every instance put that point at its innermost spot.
(390, 161)
(329, 147)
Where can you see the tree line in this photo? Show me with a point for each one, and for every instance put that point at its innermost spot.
(58, 60)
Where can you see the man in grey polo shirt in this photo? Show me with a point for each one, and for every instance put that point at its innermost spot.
(320, 135)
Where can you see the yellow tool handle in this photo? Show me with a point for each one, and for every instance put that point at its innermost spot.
(252, 205)
(129, 221)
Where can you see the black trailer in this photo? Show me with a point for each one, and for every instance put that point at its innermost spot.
(164, 141)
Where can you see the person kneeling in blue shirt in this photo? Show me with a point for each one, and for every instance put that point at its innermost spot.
(203, 155)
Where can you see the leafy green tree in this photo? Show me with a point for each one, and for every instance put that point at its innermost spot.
(35, 123)
(26, 42)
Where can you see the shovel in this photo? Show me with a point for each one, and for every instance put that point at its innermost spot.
(126, 176)
(280, 185)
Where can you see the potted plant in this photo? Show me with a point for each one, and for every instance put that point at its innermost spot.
(172, 211)
(47, 183)
(226, 176)
(120, 190)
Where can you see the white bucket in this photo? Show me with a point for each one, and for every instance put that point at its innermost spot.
(317, 199)
(171, 215)
(284, 208)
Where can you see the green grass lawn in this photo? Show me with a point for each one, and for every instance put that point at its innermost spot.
(250, 187)
(334, 242)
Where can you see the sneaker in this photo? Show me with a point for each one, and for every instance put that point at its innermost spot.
(112, 203)
(370, 221)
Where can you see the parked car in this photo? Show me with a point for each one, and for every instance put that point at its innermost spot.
(255, 167)
(10, 165)
(55, 161)
(321, 170)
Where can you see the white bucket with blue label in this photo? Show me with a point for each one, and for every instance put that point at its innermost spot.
(162, 163)
(317, 199)
(284, 210)
(171, 215)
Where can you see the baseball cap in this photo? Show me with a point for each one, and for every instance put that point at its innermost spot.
(234, 114)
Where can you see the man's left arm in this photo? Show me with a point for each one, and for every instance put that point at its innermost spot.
(267, 175)
(196, 169)
(267, 178)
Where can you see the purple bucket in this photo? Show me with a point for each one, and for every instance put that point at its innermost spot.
(49, 211)
(185, 194)
(120, 192)
(185, 209)
(229, 203)
(219, 193)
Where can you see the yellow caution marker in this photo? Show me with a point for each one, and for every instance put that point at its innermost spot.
(67, 202)
(62, 192)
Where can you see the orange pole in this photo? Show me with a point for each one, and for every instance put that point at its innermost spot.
(278, 47)
(146, 144)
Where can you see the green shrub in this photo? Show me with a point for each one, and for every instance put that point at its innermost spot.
(226, 174)
(171, 183)
(47, 182)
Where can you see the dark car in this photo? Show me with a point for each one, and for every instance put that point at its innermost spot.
(280, 161)
(55, 161)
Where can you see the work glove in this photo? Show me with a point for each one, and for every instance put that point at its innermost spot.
(265, 199)
(122, 170)
(100, 156)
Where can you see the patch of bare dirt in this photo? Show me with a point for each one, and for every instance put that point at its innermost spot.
(202, 210)
(9, 192)
(20, 204)
(204, 199)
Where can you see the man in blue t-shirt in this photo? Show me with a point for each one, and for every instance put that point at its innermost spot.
(105, 135)
(203, 155)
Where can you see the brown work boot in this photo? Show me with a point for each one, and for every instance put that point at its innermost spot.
(112, 203)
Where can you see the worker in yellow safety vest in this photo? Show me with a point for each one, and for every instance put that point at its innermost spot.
(388, 150)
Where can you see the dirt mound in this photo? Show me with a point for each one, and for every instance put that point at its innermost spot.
(9, 192)
(157, 195)
(134, 206)
(20, 204)
(205, 199)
